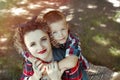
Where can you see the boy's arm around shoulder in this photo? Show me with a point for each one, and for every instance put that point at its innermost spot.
(68, 62)
(71, 60)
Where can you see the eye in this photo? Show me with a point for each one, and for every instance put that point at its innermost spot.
(44, 39)
(32, 44)
(63, 29)
(54, 33)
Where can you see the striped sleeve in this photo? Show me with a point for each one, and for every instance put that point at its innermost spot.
(72, 46)
(27, 71)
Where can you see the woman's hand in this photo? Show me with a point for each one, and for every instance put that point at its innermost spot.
(38, 68)
(53, 71)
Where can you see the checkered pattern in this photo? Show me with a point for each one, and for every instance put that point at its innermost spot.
(71, 48)
(78, 72)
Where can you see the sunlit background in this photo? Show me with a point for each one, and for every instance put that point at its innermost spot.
(97, 23)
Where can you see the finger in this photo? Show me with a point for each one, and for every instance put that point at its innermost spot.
(40, 66)
(47, 68)
(51, 66)
(38, 62)
(35, 61)
(56, 65)
(43, 70)
(34, 67)
(62, 70)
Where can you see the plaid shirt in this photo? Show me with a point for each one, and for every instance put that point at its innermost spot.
(58, 54)
(27, 70)
(71, 48)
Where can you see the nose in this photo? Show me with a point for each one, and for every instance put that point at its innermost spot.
(39, 47)
(60, 34)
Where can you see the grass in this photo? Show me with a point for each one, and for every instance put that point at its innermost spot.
(98, 31)
(10, 66)
(100, 42)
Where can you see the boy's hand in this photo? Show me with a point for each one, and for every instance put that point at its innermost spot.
(53, 71)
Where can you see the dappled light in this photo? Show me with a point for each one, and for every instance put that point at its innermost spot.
(4, 48)
(47, 10)
(80, 10)
(115, 74)
(33, 6)
(48, 3)
(69, 17)
(90, 6)
(3, 0)
(18, 11)
(92, 28)
(4, 11)
(63, 7)
(92, 70)
(101, 40)
(114, 51)
(103, 25)
(97, 23)
(2, 40)
(116, 3)
(23, 2)
(117, 17)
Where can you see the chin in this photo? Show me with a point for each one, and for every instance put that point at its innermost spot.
(62, 42)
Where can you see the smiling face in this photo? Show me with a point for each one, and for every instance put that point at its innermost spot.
(59, 31)
(38, 44)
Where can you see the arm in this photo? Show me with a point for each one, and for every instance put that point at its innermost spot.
(72, 53)
(68, 62)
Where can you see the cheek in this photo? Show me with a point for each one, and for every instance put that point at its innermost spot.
(65, 32)
(48, 45)
(31, 50)
(54, 36)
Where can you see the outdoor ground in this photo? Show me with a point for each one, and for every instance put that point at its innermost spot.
(97, 23)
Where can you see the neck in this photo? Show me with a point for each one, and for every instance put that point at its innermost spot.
(49, 58)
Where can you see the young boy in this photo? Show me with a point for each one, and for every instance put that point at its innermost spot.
(62, 38)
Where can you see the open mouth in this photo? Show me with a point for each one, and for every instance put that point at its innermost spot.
(42, 52)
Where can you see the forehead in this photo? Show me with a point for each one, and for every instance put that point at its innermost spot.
(61, 22)
(58, 24)
(34, 35)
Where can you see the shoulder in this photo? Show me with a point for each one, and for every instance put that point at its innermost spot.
(58, 54)
(74, 36)
(58, 50)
